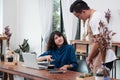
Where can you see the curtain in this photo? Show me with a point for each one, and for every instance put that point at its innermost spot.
(69, 20)
(46, 9)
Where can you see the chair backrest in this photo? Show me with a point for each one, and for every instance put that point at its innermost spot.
(82, 66)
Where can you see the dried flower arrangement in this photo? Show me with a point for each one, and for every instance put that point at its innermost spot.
(8, 34)
(108, 15)
(103, 39)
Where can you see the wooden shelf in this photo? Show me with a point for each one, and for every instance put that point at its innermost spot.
(3, 37)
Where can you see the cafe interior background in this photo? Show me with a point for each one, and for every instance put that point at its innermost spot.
(33, 20)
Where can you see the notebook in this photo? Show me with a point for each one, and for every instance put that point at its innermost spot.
(30, 61)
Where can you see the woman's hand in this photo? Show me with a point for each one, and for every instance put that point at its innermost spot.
(64, 67)
(49, 58)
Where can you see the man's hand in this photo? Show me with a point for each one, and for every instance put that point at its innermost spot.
(89, 62)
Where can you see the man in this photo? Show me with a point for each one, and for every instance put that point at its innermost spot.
(81, 10)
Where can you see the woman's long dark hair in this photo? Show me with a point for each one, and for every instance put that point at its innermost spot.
(51, 43)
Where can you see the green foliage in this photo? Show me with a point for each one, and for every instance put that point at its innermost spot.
(56, 21)
(17, 51)
(24, 47)
(56, 5)
(56, 16)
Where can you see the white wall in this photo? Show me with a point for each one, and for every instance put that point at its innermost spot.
(114, 6)
(29, 23)
(9, 17)
(23, 18)
(1, 18)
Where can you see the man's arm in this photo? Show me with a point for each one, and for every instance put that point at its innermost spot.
(93, 52)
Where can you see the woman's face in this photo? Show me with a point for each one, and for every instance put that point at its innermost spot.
(58, 40)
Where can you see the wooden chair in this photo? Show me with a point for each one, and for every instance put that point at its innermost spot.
(81, 50)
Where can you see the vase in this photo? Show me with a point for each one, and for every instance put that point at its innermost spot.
(8, 45)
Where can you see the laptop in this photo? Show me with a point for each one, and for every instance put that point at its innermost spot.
(31, 62)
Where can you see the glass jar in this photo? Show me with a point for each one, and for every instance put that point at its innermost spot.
(16, 58)
(103, 73)
(11, 57)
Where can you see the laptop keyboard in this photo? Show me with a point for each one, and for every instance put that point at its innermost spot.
(42, 67)
(44, 63)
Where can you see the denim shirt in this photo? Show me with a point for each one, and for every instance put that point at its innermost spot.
(65, 55)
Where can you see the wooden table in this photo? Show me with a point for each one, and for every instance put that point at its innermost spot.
(37, 74)
(119, 45)
(114, 43)
(87, 43)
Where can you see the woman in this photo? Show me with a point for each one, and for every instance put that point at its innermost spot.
(59, 53)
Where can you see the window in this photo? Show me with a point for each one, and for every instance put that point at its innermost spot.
(56, 15)
(57, 23)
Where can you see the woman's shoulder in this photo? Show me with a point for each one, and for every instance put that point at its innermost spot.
(69, 46)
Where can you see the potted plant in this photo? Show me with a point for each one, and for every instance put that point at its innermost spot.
(24, 47)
